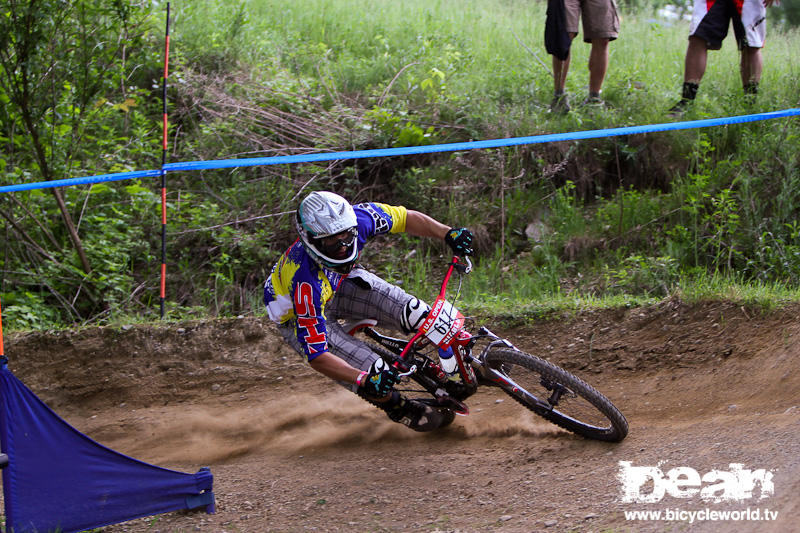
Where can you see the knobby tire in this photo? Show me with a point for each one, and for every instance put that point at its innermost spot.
(528, 371)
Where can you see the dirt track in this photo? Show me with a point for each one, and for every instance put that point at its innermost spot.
(702, 387)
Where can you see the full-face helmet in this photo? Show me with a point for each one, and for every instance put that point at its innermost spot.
(328, 228)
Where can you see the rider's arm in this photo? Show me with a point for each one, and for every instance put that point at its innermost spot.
(421, 225)
(335, 368)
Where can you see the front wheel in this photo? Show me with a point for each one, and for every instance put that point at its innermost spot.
(555, 394)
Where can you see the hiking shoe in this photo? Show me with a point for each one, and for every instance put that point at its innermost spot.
(560, 104)
(415, 415)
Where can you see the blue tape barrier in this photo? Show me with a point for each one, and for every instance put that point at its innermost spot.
(81, 181)
(408, 150)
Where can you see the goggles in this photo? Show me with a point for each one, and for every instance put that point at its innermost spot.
(332, 244)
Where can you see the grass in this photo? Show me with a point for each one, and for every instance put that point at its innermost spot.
(496, 288)
(491, 53)
(765, 296)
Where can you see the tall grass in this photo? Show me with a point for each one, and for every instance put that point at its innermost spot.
(491, 54)
(479, 69)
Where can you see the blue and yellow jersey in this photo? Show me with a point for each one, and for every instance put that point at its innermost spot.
(298, 289)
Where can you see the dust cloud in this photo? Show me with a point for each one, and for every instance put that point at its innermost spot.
(304, 424)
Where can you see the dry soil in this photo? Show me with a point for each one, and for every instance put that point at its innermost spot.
(702, 386)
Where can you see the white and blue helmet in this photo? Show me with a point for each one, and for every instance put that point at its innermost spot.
(322, 216)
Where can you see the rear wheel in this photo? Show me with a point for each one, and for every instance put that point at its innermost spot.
(556, 395)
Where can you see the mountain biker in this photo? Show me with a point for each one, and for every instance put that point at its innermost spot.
(322, 263)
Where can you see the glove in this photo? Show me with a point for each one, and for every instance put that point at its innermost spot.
(460, 240)
(379, 379)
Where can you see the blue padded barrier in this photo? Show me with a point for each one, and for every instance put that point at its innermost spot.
(58, 479)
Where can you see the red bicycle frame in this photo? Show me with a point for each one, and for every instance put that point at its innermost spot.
(444, 325)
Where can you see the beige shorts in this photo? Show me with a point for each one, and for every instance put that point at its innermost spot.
(599, 17)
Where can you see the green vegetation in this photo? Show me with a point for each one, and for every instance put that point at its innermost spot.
(630, 220)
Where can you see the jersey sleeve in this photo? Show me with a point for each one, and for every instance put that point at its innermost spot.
(311, 327)
(378, 219)
(277, 294)
(295, 294)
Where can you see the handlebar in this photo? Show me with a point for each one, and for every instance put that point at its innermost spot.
(464, 268)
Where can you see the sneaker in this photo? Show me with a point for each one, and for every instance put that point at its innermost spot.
(415, 415)
(680, 108)
(593, 101)
(688, 94)
(560, 104)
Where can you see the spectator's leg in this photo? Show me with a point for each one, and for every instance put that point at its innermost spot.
(560, 70)
(598, 65)
(693, 70)
(751, 67)
(696, 60)
(560, 103)
(750, 28)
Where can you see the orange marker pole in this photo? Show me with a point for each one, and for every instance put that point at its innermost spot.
(163, 292)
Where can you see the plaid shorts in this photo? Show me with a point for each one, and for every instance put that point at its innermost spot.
(362, 295)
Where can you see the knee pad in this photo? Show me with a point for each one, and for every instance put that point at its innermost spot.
(414, 313)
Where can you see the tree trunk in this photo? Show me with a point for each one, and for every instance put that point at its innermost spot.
(45, 170)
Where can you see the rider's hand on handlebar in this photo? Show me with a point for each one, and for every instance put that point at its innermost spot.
(460, 240)
(379, 379)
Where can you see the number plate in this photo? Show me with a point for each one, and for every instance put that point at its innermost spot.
(442, 323)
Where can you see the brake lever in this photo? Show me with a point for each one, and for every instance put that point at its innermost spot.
(463, 268)
(410, 371)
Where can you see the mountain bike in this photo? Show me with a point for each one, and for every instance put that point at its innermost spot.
(485, 359)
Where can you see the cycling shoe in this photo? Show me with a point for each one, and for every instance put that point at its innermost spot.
(415, 415)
